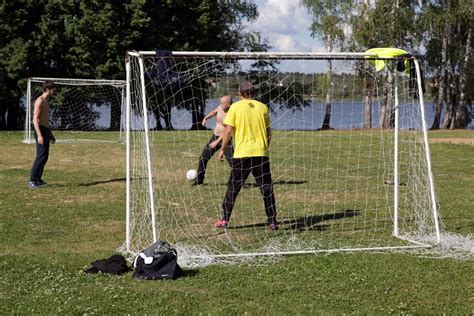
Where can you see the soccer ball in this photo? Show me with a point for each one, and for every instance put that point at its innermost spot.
(191, 175)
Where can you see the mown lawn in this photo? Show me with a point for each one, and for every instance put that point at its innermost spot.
(49, 236)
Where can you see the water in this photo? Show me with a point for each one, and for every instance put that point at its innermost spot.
(345, 115)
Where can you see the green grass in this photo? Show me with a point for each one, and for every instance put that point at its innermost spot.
(49, 236)
(318, 177)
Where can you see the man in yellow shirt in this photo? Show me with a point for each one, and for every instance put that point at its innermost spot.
(249, 121)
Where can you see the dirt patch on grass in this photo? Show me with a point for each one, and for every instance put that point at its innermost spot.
(463, 141)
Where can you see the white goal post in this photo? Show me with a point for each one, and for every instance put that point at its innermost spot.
(81, 109)
(350, 157)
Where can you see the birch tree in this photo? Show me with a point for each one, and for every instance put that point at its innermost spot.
(383, 23)
(457, 113)
(329, 21)
(448, 32)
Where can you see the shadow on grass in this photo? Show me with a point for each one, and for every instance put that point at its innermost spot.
(278, 182)
(310, 222)
(220, 232)
(190, 272)
(64, 185)
(100, 182)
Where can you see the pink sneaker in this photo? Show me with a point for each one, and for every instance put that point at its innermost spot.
(222, 223)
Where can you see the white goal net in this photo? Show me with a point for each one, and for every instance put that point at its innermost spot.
(81, 109)
(349, 155)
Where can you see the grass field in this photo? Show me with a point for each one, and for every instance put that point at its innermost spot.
(49, 236)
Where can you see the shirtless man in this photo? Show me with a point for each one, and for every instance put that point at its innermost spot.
(215, 141)
(43, 135)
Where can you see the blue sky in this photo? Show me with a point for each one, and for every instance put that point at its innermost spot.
(286, 25)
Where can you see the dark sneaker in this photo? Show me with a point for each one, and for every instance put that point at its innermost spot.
(42, 183)
(197, 183)
(222, 223)
(34, 185)
(273, 226)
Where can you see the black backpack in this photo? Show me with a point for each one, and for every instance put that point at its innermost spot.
(115, 264)
(157, 262)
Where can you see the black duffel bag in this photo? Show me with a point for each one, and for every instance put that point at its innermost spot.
(157, 262)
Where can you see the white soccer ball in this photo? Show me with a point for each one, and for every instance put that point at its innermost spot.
(191, 175)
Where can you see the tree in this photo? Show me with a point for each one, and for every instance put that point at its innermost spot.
(441, 76)
(329, 18)
(208, 25)
(448, 32)
(88, 39)
(18, 21)
(457, 114)
(61, 39)
(384, 23)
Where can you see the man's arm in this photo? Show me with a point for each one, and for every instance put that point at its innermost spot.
(216, 142)
(229, 130)
(36, 117)
(208, 116)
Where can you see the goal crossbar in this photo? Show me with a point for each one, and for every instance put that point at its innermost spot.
(72, 81)
(269, 55)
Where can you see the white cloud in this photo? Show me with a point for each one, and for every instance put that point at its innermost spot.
(283, 17)
(286, 43)
(286, 25)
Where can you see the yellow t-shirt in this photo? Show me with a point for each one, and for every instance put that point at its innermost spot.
(250, 120)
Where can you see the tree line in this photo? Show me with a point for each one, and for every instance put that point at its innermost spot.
(88, 39)
(439, 31)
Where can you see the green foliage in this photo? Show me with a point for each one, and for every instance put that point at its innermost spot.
(329, 20)
(433, 19)
(447, 29)
(416, 26)
(89, 39)
(387, 23)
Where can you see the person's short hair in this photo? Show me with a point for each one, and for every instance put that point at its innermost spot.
(48, 84)
(246, 89)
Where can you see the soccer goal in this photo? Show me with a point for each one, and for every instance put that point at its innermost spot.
(350, 158)
(81, 109)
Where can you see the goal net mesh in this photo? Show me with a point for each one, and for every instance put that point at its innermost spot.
(81, 109)
(332, 158)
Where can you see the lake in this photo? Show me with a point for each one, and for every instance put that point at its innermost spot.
(345, 115)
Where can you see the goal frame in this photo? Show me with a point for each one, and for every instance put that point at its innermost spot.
(28, 139)
(300, 56)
